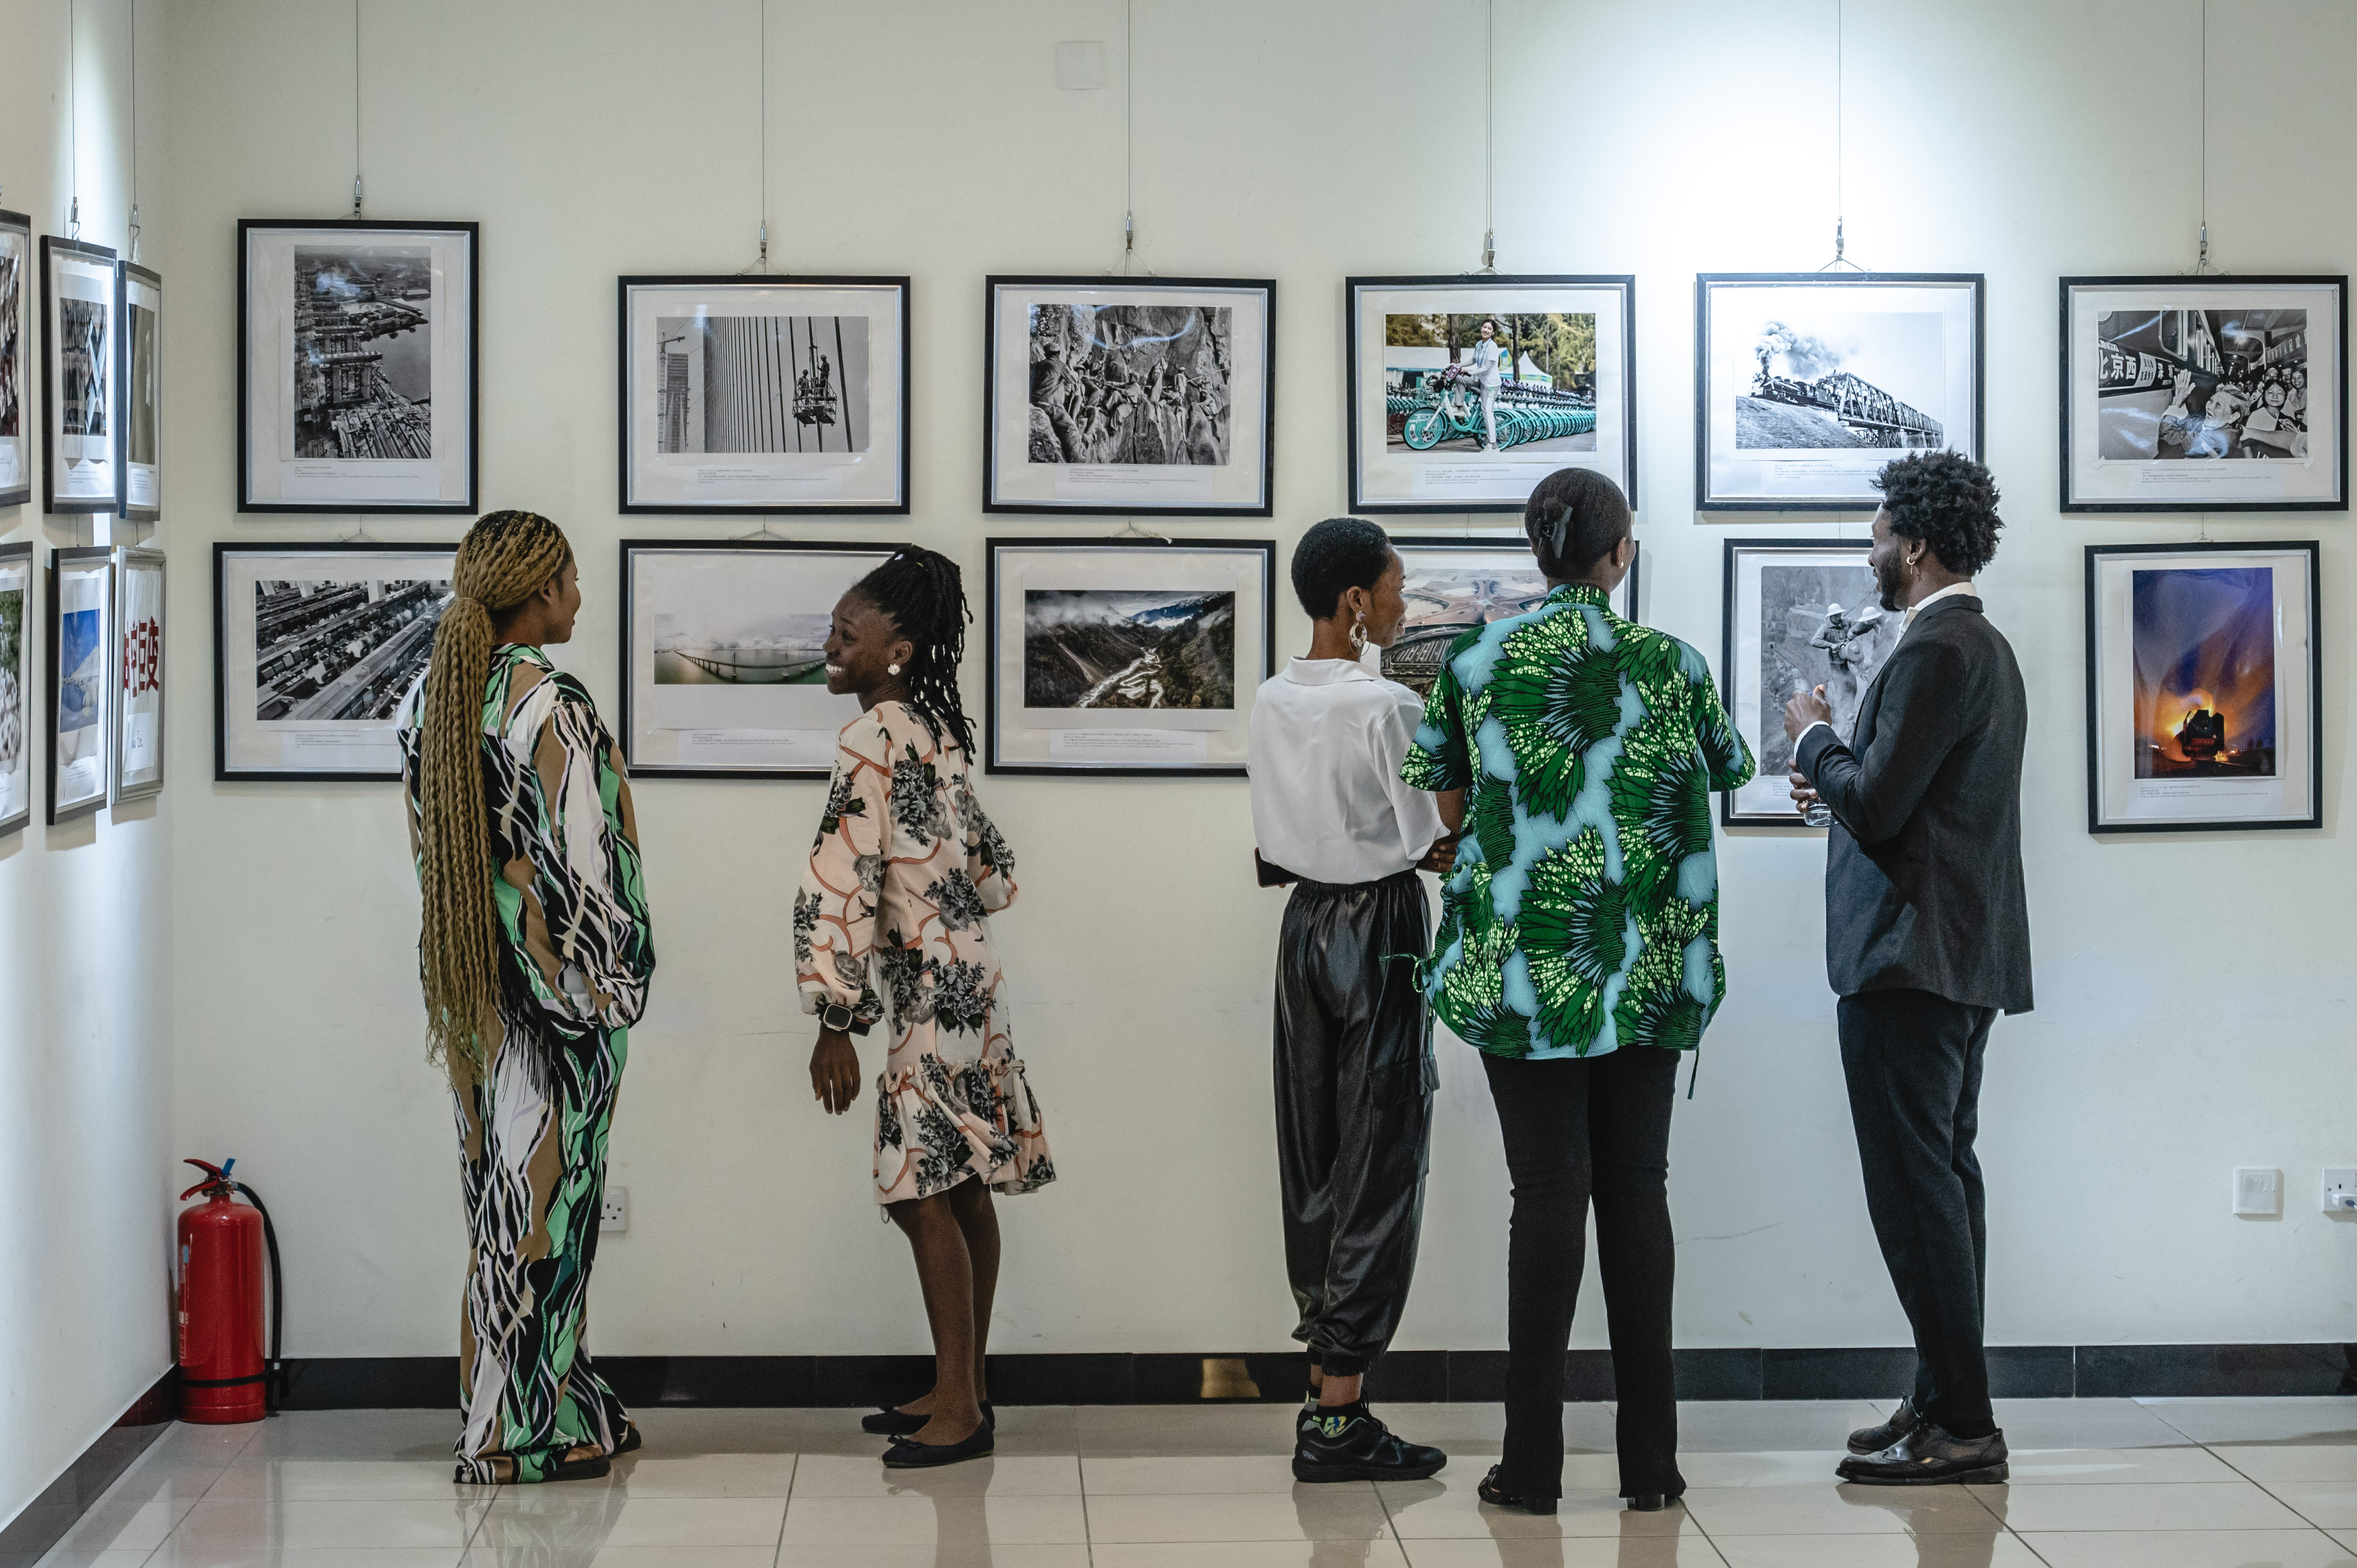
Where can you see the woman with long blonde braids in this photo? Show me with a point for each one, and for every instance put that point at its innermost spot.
(535, 957)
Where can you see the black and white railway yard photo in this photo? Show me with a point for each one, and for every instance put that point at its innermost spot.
(341, 650)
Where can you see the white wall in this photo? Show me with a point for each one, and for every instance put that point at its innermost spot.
(2193, 987)
(85, 951)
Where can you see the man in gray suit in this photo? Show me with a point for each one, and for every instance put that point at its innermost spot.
(1927, 939)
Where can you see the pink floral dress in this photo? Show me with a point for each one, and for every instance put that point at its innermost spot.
(893, 922)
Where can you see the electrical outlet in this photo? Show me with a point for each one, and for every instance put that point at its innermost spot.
(2340, 1190)
(614, 1213)
(2258, 1191)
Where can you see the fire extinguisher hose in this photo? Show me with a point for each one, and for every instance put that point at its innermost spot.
(274, 1382)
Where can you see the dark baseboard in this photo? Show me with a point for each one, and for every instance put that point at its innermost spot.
(46, 1518)
(2016, 1371)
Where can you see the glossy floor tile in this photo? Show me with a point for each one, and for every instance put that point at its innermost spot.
(2095, 1484)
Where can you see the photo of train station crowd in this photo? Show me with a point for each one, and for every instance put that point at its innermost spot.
(2193, 384)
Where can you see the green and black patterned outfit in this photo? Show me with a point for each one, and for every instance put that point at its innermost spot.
(574, 964)
(1583, 913)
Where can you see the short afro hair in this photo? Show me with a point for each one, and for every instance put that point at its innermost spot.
(1338, 553)
(1948, 501)
(1574, 517)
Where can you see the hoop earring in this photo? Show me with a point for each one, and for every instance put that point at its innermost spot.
(1358, 633)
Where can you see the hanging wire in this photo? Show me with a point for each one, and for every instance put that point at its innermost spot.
(73, 120)
(2201, 257)
(1128, 137)
(134, 130)
(356, 108)
(760, 263)
(1841, 196)
(1488, 137)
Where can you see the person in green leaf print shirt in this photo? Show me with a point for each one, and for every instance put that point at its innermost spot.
(1578, 950)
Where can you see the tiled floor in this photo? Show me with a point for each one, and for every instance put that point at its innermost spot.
(2096, 1484)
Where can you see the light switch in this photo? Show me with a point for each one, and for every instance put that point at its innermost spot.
(2258, 1191)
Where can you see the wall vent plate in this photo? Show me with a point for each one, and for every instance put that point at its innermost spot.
(2258, 1190)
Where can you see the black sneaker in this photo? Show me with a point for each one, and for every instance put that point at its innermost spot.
(1358, 1447)
(1307, 1417)
(1875, 1439)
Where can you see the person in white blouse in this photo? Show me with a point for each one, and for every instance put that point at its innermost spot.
(1487, 355)
(1354, 1074)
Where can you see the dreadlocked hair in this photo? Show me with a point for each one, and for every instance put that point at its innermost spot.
(921, 592)
(506, 558)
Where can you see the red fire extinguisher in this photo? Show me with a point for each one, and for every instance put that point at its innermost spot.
(224, 1376)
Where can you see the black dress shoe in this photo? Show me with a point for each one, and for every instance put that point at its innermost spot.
(1490, 1492)
(1652, 1502)
(908, 1454)
(1929, 1457)
(1875, 1439)
(1358, 1447)
(893, 1421)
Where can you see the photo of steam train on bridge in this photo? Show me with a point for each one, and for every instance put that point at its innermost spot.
(1802, 397)
(325, 649)
(363, 352)
(1546, 396)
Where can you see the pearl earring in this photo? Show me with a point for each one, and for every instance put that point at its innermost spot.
(892, 669)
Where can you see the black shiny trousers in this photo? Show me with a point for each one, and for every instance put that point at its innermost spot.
(1354, 1083)
(1576, 1129)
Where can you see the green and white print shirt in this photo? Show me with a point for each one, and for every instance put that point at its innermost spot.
(1583, 912)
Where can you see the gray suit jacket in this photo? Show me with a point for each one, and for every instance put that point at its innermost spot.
(1924, 887)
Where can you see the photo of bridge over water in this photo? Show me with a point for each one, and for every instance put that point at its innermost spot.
(790, 651)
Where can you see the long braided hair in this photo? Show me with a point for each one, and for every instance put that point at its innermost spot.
(921, 592)
(506, 558)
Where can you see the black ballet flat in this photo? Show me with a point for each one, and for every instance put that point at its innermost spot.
(584, 1469)
(632, 1440)
(908, 1454)
(893, 1421)
(1490, 1492)
(1652, 1502)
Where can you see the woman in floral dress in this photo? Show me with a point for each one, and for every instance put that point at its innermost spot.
(891, 926)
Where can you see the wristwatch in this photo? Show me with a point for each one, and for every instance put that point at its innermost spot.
(841, 1019)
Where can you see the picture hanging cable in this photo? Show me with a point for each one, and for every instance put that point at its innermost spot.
(74, 122)
(2201, 255)
(1488, 137)
(134, 130)
(761, 259)
(356, 108)
(1128, 139)
(1841, 199)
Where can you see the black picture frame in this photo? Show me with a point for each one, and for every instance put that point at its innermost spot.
(223, 552)
(2181, 283)
(21, 553)
(627, 448)
(53, 401)
(128, 366)
(471, 233)
(1623, 283)
(1265, 504)
(1706, 500)
(2314, 729)
(640, 766)
(992, 715)
(53, 687)
(15, 367)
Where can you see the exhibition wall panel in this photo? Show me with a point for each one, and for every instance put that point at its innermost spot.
(85, 952)
(2190, 987)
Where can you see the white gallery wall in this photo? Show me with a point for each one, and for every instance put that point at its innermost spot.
(2194, 988)
(85, 947)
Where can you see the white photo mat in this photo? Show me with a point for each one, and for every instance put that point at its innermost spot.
(19, 712)
(856, 459)
(16, 287)
(82, 393)
(2119, 799)
(139, 674)
(1449, 480)
(140, 433)
(80, 680)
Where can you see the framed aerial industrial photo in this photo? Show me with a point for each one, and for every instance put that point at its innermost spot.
(1124, 396)
(2187, 393)
(1454, 584)
(1799, 614)
(763, 394)
(315, 649)
(2203, 678)
(1465, 391)
(724, 662)
(138, 768)
(81, 684)
(81, 394)
(139, 435)
(1807, 383)
(356, 366)
(15, 432)
(15, 685)
(1126, 656)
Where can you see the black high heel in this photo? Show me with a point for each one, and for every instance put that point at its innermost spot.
(1490, 1492)
(1652, 1503)
(891, 1421)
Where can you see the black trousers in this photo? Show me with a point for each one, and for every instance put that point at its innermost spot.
(1577, 1128)
(1354, 1083)
(1913, 1061)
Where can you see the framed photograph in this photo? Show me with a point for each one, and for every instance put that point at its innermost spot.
(315, 648)
(1124, 656)
(1466, 391)
(138, 440)
(1807, 383)
(1454, 584)
(16, 449)
(1800, 614)
(2205, 394)
(356, 366)
(765, 394)
(82, 396)
(724, 655)
(138, 769)
(1124, 396)
(15, 686)
(81, 605)
(2203, 678)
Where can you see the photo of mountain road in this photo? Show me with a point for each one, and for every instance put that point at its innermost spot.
(1122, 650)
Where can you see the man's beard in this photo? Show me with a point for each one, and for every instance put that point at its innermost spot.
(1888, 585)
